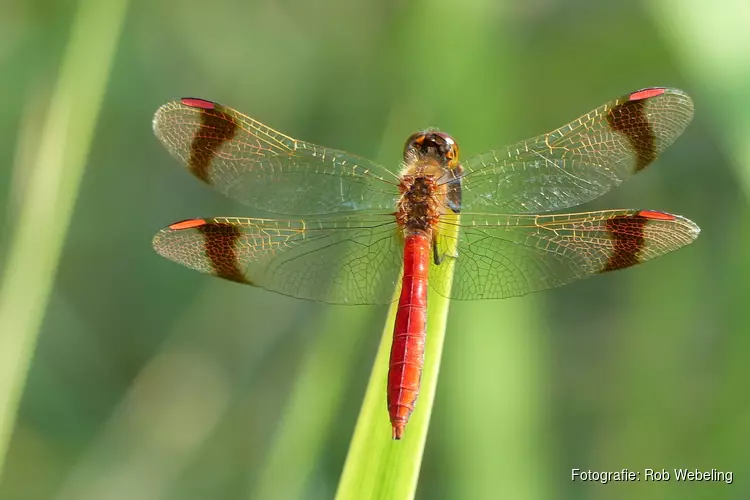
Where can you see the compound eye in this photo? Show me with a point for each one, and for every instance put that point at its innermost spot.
(452, 154)
(415, 141)
(449, 148)
(444, 137)
(447, 144)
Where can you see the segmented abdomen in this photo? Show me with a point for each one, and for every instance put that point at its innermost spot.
(407, 350)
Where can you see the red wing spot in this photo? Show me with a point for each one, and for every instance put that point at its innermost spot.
(650, 214)
(628, 239)
(221, 242)
(646, 93)
(187, 224)
(197, 103)
(215, 129)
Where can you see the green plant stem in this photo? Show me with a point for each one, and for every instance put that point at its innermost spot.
(376, 466)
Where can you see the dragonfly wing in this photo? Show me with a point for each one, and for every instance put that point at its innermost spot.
(255, 165)
(579, 161)
(511, 255)
(346, 260)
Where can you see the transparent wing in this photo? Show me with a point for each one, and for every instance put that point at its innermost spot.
(349, 260)
(510, 255)
(579, 161)
(262, 168)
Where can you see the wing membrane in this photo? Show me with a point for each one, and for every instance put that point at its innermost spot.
(355, 256)
(579, 161)
(346, 260)
(511, 255)
(255, 165)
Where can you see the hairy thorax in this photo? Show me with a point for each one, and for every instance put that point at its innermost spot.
(422, 198)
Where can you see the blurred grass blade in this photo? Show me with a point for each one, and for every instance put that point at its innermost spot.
(712, 46)
(494, 405)
(376, 466)
(719, 61)
(301, 438)
(46, 209)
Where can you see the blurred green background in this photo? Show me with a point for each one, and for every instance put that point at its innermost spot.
(149, 381)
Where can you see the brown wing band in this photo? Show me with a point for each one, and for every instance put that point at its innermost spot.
(630, 119)
(626, 232)
(215, 129)
(221, 248)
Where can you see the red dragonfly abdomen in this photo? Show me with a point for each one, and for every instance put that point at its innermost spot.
(407, 350)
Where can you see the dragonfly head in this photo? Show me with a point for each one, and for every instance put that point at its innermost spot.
(432, 145)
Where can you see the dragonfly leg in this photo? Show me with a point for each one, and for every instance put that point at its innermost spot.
(437, 257)
(454, 197)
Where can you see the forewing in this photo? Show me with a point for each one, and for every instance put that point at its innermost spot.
(262, 168)
(346, 260)
(511, 255)
(579, 161)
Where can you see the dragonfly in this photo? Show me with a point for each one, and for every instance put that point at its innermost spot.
(351, 230)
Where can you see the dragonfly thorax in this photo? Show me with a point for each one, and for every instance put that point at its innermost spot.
(420, 204)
